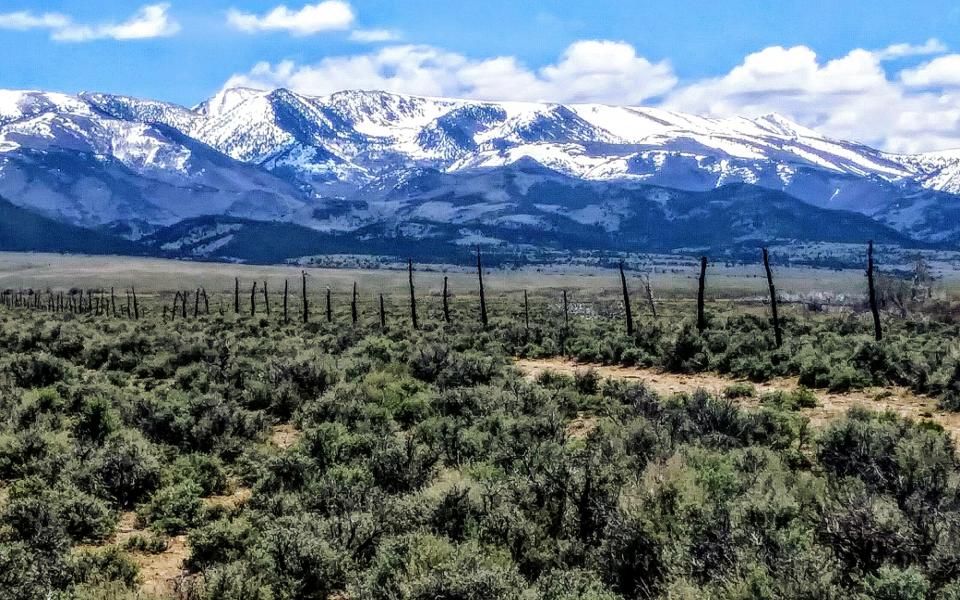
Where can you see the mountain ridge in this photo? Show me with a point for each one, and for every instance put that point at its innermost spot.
(344, 163)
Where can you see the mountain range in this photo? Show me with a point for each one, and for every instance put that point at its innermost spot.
(272, 176)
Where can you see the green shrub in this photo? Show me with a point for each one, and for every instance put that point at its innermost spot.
(173, 509)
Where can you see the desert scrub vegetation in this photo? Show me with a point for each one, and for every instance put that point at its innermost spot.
(426, 466)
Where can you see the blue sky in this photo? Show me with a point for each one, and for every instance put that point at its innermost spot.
(816, 62)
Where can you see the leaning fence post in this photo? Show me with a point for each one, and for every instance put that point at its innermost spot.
(136, 306)
(626, 300)
(701, 317)
(649, 289)
(778, 334)
(877, 329)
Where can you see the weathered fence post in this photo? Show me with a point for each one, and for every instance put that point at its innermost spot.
(286, 287)
(778, 334)
(236, 295)
(266, 298)
(183, 304)
(329, 307)
(383, 314)
(136, 306)
(877, 329)
(526, 311)
(206, 302)
(196, 304)
(701, 317)
(173, 309)
(483, 299)
(446, 305)
(306, 310)
(649, 290)
(413, 297)
(253, 299)
(626, 300)
(353, 304)
(113, 303)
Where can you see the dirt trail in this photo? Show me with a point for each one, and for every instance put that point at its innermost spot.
(896, 399)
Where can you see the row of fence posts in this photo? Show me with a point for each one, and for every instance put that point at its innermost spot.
(75, 301)
(99, 304)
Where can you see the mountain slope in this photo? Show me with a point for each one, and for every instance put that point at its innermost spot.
(25, 231)
(382, 166)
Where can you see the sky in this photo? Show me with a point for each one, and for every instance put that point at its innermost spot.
(882, 72)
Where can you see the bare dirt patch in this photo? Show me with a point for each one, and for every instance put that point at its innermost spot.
(284, 436)
(158, 572)
(830, 405)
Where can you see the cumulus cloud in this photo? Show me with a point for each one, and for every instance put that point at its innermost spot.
(330, 15)
(856, 96)
(150, 21)
(941, 71)
(850, 97)
(588, 71)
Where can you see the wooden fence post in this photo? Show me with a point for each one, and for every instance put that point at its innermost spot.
(413, 297)
(383, 314)
(236, 295)
(353, 304)
(306, 310)
(649, 289)
(329, 306)
(286, 288)
(877, 329)
(526, 311)
(626, 300)
(483, 299)
(253, 299)
(446, 305)
(701, 317)
(778, 334)
(136, 305)
(266, 298)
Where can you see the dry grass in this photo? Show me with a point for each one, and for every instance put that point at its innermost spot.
(830, 405)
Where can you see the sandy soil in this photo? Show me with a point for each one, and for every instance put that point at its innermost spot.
(896, 399)
(284, 436)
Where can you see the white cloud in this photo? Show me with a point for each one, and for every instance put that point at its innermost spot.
(894, 51)
(150, 21)
(588, 71)
(941, 71)
(23, 21)
(850, 97)
(374, 35)
(330, 15)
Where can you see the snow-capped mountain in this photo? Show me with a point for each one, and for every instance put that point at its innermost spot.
(362, 159)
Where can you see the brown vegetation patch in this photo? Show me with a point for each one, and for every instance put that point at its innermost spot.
(284, 436)
(830, 405)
